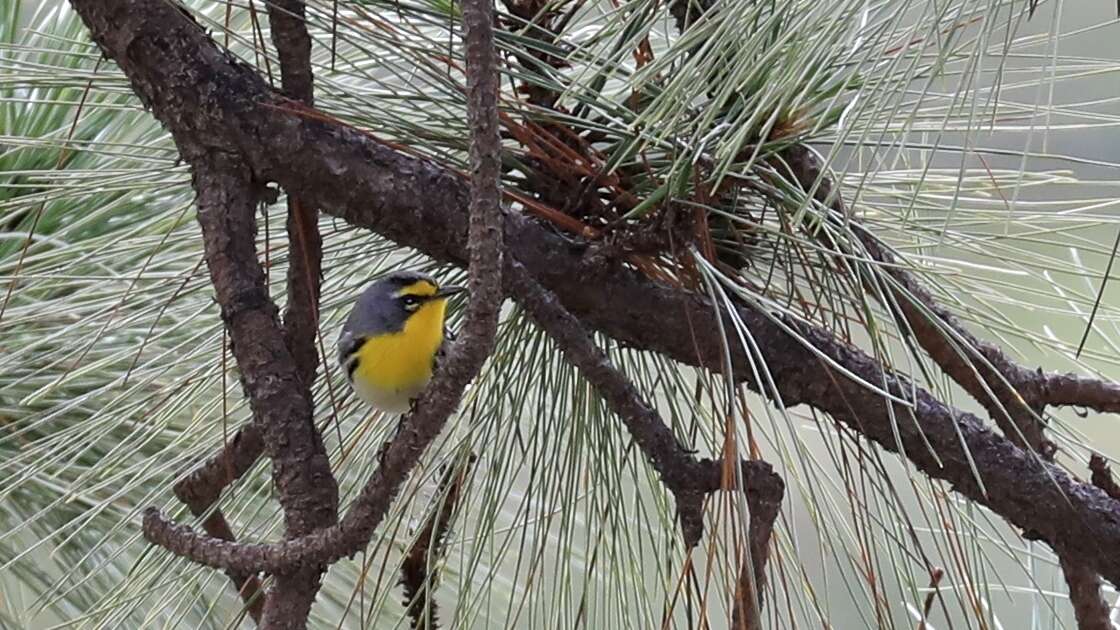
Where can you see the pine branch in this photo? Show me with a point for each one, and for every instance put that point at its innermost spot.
(290, 599)
(419, 575)
(421, 205)
(227, 202)
(1013, 395)
(301, 315)
(690, 480)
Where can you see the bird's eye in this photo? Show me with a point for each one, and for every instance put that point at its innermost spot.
(410, 301)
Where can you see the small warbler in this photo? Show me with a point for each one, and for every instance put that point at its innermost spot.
(390, 342)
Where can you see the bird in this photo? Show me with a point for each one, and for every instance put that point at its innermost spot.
(391, 340)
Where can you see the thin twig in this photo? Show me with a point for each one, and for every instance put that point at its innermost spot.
(301, 316)
(765, 505)
(1100, 296)
(419, 573)
(200, 490)
(1102, 476)
(247, 584)
(689, 479)
(936, 575)
(204, 485)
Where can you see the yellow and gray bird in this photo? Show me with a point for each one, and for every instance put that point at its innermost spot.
(390, 342)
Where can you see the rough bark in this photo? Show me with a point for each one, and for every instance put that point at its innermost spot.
(689, 479)
(198, 92)
(1014, 396)
(290, 599)
(305, 245)
(227, 202)
(1089, 608)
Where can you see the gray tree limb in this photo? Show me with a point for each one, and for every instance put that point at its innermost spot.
(419, 204)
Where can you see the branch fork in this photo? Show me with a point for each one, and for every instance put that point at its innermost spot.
(225, 123)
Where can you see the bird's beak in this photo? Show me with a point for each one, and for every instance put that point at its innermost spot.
(446, 292)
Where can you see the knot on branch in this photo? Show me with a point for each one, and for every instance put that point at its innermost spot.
(759, 478)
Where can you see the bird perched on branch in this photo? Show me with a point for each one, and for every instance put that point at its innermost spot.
(390, 342)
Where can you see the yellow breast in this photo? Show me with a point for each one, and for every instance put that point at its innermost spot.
(394, 368)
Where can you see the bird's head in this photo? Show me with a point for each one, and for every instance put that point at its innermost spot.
(393, 299)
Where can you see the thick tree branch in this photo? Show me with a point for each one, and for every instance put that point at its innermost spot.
(289, 602)
(1013, 395)
(198, 91)
(202, 487)
(1008, 391)
(464, 360)
(292, 594)
(982, 368)
(227, 201)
